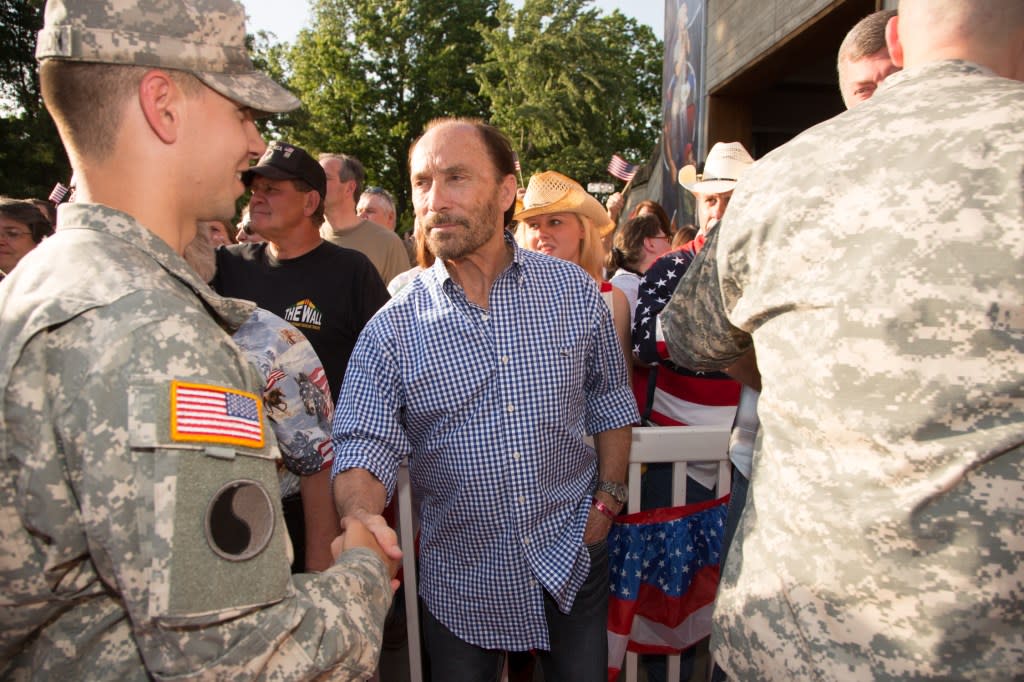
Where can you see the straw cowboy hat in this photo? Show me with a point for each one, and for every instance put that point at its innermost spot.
(551, 192)
(725, 164)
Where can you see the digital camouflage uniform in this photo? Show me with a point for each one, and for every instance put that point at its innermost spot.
(296, 396)
(119, 557)
(877, 262)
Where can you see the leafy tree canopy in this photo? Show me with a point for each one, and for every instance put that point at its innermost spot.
(33, 160)
(568, 84)
(372, 73)
(571, 86)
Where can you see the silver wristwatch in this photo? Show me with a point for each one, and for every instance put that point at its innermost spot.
(618, 491)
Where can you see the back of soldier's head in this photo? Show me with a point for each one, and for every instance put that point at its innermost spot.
(988, 32)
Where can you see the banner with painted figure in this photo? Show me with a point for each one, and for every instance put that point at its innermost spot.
(682, 98)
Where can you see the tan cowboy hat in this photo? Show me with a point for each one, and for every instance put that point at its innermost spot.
(551, 192)
(725, 164)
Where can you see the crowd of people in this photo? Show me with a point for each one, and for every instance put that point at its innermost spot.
(202, 423)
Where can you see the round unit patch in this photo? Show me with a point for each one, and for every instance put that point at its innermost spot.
(240, 520)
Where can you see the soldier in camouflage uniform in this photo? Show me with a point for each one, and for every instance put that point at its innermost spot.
(141, 534)
(875, 264)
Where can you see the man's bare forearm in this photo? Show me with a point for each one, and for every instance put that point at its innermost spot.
(745, 370)
(613, 453)
(357, 491)
(321, 520)
(360, 496)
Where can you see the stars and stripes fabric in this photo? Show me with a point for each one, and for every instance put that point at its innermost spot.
(515, 159)
(656, 288)
(215, 414)
(296, 396)
(664, 569)
(319, 377)
(682, 397)
(620, 168)
(275, 376)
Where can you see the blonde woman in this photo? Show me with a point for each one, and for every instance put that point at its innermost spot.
(560, 219)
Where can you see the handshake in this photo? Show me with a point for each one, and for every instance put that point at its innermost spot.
(372, 532)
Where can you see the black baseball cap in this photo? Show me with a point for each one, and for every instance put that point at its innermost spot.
(284, 161)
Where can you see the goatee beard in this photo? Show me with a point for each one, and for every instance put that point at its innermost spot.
(459, 244)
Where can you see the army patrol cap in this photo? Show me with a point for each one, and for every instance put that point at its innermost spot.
(203, 37)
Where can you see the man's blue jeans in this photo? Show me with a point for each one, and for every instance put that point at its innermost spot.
(579, 639)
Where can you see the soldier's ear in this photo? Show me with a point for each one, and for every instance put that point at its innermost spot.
(892, 41)
(161, 100)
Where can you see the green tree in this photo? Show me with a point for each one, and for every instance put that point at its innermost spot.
(571, 86)
(372, 73)
(33, 159)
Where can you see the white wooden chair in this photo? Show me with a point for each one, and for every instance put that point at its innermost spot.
(678, 445)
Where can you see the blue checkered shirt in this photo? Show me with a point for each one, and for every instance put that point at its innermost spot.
(491, 407)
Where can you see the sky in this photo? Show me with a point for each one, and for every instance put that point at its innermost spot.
(286, 19)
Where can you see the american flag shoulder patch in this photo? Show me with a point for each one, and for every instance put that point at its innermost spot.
(214, 414)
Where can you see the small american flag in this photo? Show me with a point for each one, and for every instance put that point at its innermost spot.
(621, 169)
(515, 159)
(59, 194)
(214, 414)
(274, 377)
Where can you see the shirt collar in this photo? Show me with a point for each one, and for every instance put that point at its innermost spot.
(931, 69)
(442, 277)
(230, 312)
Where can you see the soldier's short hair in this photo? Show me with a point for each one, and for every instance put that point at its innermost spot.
(865, 38)
(88, 122)
(106, 48)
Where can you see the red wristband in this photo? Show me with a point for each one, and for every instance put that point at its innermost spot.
(603, 508)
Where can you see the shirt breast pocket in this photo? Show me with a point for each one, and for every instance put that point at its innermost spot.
(564, 372)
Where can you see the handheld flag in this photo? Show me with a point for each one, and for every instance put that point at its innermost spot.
(519, 169)
(620, 168)
(60, 193)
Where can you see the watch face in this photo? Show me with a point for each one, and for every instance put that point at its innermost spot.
(617, 490)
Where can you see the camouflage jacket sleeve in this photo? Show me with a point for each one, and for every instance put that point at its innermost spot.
(695, 323)
(139, 546)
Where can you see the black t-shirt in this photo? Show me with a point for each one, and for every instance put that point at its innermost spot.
(329, 294)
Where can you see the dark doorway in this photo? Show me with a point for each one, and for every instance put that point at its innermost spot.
(788, 89)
